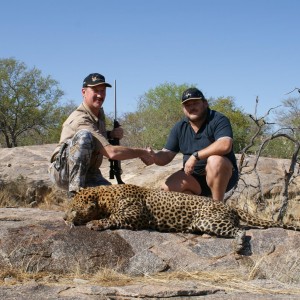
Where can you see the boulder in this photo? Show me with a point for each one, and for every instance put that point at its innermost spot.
(38, 241)
(159, 265)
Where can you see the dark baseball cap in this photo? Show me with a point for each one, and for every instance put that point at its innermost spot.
(94, 79)
(192, 94)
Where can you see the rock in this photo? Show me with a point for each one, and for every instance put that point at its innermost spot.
(37, 241)
(32, 162)
(33, 240)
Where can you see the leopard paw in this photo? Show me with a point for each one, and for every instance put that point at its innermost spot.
(93, 225)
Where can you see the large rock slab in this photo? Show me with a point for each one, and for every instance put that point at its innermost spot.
(173, 290)
(37, 241)
(32, 162)
(34, 240)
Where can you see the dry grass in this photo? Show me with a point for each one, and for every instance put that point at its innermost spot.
(269, 210)
(227, 281)
(14, 195)
(109, 277)
(55, 200)
(18, 275)
(6, 199)
(18, 194)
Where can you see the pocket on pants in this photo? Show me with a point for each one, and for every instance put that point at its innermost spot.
(61, 177)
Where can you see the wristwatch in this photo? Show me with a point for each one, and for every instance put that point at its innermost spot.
(196, 155)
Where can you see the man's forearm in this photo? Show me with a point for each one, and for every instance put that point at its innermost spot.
(162, 158)
(122, 153)
(220, 147)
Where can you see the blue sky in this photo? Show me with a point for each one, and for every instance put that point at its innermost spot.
(244, 49)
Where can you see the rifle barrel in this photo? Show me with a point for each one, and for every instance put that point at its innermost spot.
(115, 95)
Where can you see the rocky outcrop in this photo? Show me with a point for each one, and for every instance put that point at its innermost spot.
(36, 241)
(32, 162)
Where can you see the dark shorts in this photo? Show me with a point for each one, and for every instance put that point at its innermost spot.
(201, 178)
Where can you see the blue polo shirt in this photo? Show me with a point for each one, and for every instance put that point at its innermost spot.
(183, 139)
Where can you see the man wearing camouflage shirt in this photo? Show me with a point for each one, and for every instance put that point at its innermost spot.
(76, 160)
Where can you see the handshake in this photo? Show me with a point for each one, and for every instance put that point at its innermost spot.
(148, 158)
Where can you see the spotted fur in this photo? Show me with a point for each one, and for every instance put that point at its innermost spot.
(133, 207)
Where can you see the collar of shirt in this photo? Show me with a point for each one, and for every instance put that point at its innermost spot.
(85, 108)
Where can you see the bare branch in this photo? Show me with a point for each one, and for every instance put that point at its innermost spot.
(287, 178)
(289, 133)
(268, 112)
(295, 89)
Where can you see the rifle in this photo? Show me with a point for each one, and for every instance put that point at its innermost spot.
(115, 165)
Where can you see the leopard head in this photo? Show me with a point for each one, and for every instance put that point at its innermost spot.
(82, 208)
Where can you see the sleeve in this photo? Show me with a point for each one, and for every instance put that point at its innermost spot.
(222, 128)
(173, 140)
(85, 123)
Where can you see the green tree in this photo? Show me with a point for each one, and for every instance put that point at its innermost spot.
(288, 119)
(289, 114)
(240, 122)
(279, 148)
(158, 110)
(51, 134)
(28, 102)
(62, 112)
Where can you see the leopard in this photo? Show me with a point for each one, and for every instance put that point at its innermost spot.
(128, 206)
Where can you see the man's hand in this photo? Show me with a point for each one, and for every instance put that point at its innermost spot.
(117, 133)
(148, 159)
(190, 165)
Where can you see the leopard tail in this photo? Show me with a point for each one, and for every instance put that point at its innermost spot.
(254, 221)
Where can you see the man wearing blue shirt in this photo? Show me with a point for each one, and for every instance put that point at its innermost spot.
(205, 139)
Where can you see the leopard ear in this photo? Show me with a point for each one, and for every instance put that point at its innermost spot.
(74, 213)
